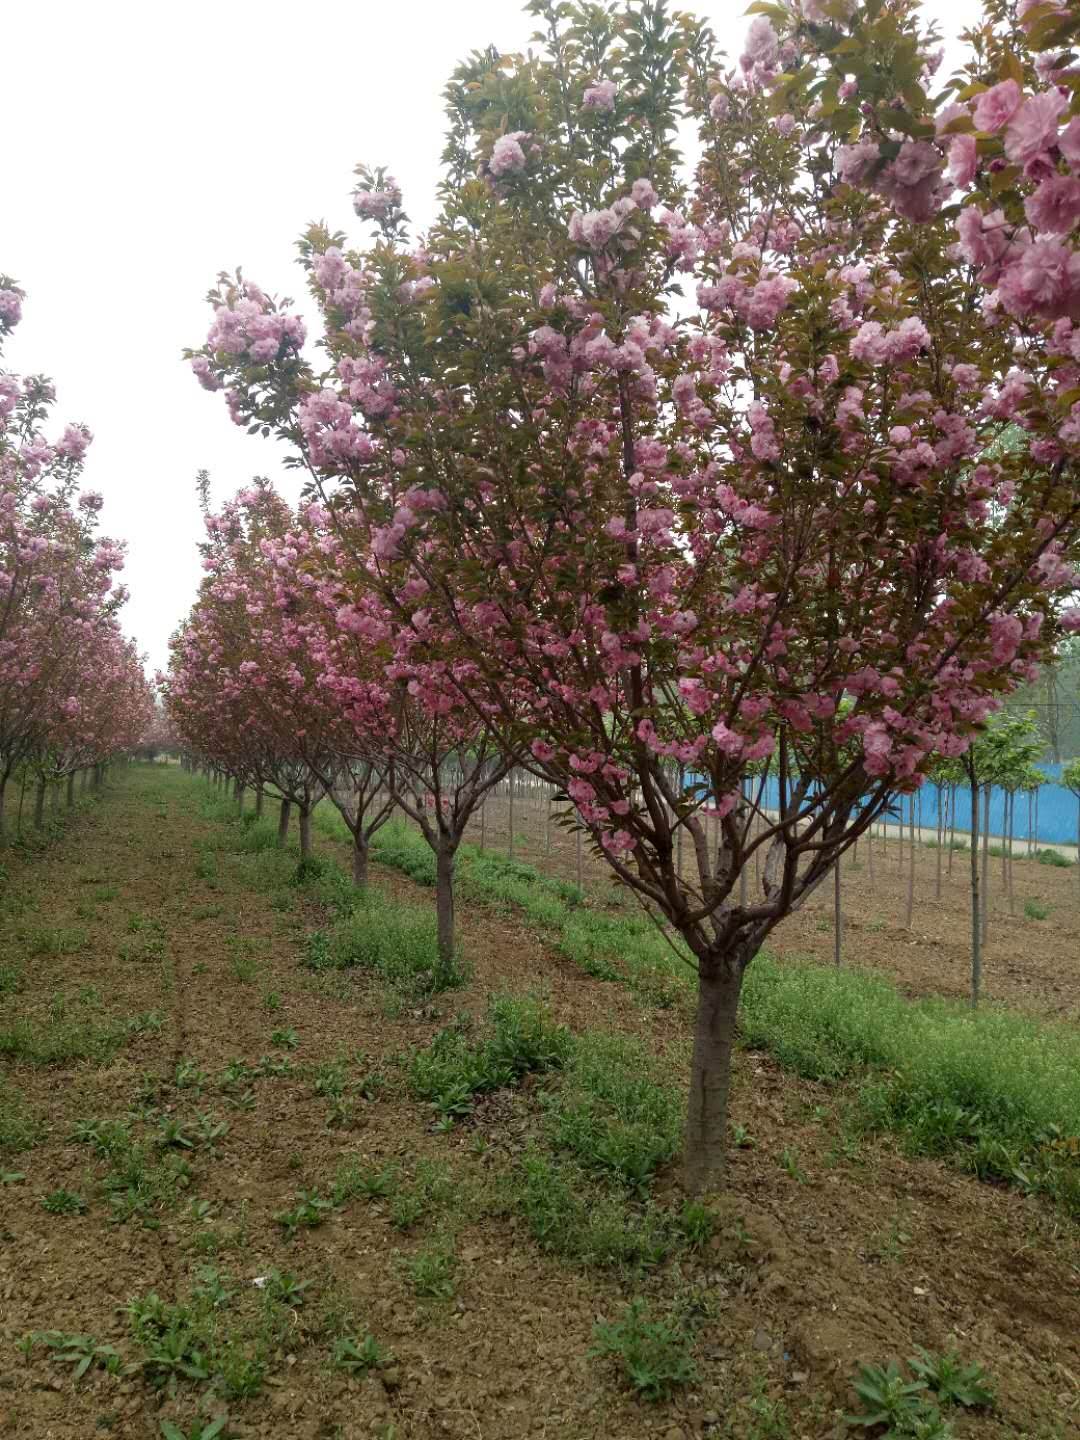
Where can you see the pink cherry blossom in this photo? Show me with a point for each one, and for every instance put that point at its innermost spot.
(1034, 127)
(995, 107)
(600, 96)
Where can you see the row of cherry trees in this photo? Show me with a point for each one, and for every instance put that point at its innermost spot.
(279, 680)
(72, 689)
(769, 473)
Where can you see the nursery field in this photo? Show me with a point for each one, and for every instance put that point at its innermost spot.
(257, 1179)
(1031, 958)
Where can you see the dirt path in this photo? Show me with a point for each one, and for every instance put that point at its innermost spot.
(172, 1066)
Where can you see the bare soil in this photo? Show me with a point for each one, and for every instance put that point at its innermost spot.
(861, 1257)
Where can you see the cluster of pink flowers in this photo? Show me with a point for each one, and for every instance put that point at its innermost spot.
(878, 346)
(757, 302)
(377, 204)
(10, 308)
(914, 182)
(600, 96)
(508, 155)
(250, 328)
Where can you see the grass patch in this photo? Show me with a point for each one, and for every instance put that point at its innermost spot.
(394, 942)
(138, 1180)
(54, 940)
(997, 1091)
(214, 1337)
(1054, 858)
(519, 1037)
(611, 1113)
(18, 1129)
(63, 1039)
(432, 1271)
(578, 1218)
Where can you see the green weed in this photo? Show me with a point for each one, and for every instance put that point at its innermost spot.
(83, 1352)
(356, 1357)
(653, 1355)
(952, 1381)
(310, 1211)
(354, 1178)
(63, 1202)
(394, 942)
(431, 1271)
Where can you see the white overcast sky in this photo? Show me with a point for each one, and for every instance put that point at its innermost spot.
(147, 147)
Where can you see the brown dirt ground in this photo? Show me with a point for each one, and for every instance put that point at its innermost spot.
(869, 1255)
(1029, 964)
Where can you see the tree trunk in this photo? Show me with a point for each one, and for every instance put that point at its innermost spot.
(909, 911)
(940, 840)
(39, 805)
(976, 917)
(869, 855)
(710, 1076)
(445, 856)
(239, 798)
(305, 832)
(259, 798)
(984, 893)
(283, 822)
(680, 783)
(954, 801)
(82, 781)
(1005, 847)
(757, 867)
(360, 861)
(510, 837)
(3, 790)
(71, 790)
(838, 916)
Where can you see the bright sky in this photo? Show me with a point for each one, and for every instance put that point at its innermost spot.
(149, 146)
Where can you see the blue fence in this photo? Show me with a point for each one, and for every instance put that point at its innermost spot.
(1056, 813)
